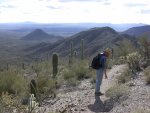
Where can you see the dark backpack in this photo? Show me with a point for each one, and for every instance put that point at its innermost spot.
(96, 64)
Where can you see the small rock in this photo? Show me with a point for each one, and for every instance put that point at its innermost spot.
(75, 109)
(82, 109)
(131, 84)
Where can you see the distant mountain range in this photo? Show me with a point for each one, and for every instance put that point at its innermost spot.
(95, 40)
(138, 31)
(40, 36)
(61, 29)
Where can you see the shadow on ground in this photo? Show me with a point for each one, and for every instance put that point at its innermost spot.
(100, 106)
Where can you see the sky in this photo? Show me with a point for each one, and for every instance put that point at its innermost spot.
(75, 11)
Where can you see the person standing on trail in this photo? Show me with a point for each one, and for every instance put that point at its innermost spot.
(101, 71)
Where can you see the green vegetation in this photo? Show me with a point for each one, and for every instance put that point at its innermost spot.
(117, 91)
(12, 82)
(76, 72)
(82, 49)
(71, 53)
(125, 76)
(144, 46)
(133, 61)
(124, 48)
(55, 64)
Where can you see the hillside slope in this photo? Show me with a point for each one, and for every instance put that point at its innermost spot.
(138, 31)
(95, 40)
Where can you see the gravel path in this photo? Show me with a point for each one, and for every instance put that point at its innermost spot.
(83, 100)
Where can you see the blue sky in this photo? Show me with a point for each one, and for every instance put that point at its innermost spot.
(75, 11)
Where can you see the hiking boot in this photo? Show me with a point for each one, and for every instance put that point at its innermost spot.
(98, 94)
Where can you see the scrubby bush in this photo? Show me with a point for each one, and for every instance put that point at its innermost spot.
(147, 74)
(144, 46)
(12, 82)
(125, 76)
(76, 72)
(110, 63)
(42, 68)
(124, 48)
(9, 103)
(133, 60)
(117, 91)
(81, 70)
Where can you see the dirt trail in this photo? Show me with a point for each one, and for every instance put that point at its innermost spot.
(83, 100)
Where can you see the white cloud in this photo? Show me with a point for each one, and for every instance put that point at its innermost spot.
(56, 11)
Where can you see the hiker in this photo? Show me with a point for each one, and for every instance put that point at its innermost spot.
(102, 70)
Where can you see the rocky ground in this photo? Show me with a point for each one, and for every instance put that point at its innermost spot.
(82, 99)
(138, 100)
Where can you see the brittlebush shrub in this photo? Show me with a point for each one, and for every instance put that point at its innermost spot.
(12, 82)
(125, 76)
(117, 91)
(76, 72)
(147, 74)
(133, 60)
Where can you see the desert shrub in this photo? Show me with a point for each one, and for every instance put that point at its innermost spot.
(9, 102)
(12, 83)
(76, 72)
(144, 46)
(81, 70)
(120, 60)
(42, 68)
(110, 63)
(147, 74)
(133, 61)
(117, 91)
(70, 77)
(46, 86)
(125, 76)
(124, 48)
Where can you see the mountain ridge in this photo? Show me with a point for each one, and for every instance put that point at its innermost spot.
(138, 31)
(95, 39)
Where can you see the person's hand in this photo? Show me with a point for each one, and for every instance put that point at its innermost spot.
(106, 77)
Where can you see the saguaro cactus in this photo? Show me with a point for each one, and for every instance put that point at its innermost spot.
(71, 53)
(71, 50)
(75, 54)
(112, 53)
(55, 64)
(82, 49)
(33, 87)
(7, 67)
(23, 66)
